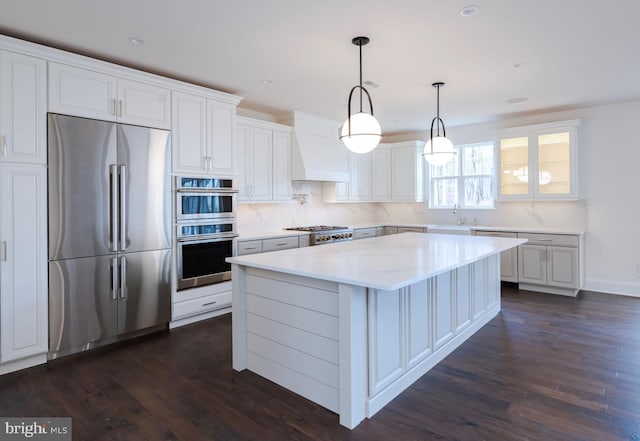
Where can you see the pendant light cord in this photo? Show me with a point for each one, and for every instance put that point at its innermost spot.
(438, 110)
(360, 77)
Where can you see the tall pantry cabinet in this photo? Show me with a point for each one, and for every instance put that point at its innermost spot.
(23, 213)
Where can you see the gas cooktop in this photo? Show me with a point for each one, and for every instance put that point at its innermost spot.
(319, 234)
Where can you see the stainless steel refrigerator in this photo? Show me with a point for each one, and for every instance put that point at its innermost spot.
(109, 232)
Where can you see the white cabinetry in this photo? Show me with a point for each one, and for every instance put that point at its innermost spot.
(271, 244)
(508, 259)
(539, 162)
(23, 266)
(407, 168)
(381, 174)
(550, 263)
(202, 136)
(363, 233)
(263, 151)
(195, 304)
(22, 108)
(82, 92)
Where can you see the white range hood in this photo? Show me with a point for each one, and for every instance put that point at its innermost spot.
(316, 152)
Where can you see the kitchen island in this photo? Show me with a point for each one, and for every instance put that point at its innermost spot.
(351, 325)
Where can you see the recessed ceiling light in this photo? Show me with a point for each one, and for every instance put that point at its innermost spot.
(393, 121)
(371, 84)
(267, 81)
(470, 10)
(517, 100)
(136, 40)
(519, 65)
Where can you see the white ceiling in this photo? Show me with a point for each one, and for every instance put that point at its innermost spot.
(558, 54)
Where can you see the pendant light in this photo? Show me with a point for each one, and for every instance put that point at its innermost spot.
(439, 149)
(361, 132)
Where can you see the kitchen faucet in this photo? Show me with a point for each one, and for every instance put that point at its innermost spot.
(455, 208)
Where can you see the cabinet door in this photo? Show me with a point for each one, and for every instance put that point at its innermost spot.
(381, 175)
(243, 150)
(514, 167)
(387, 231)
(22, 108)
(23, 261)
(418, 305)
(508, 259)
(463, 298)
(221, 122)
(80, 92)
(281, 166)
(443, 309)
(532, 267)
(143, 104)
(261, 158)
(360, 176)
(189, 133)
(404, 176)
(385, 338)
(562, 267)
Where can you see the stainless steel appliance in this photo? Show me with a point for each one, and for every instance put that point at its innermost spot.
(109, 232)
(205, 198)
(320, 234)
(202, 249)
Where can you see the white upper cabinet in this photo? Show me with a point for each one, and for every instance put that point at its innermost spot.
(360, 178)
(85, 93)
(381, 172)
(539, 162)
(22, 108)
(282, 190)
(407, 170)
(202, 136)
(264, 158)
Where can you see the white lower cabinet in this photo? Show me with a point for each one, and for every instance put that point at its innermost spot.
(422, 323)
(195, 304)
(550, 263)
(508, 259)
(385, 310)
(23, 265)
(363, 233)
(254, 246)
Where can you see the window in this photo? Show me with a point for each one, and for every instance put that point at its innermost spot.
(467, 180)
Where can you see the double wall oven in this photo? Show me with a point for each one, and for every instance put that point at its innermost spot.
(205, 230)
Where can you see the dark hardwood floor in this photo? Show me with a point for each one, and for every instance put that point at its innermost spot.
(547, 368)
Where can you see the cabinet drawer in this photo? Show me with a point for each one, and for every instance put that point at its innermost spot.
(281, 243)
(201, 305)
(497, 234)
(410, 230)
(561, 240)
(364, 232)
(249, 247)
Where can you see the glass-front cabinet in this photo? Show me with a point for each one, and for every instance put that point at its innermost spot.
(539, 162)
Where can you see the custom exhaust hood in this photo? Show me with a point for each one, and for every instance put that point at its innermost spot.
(316, 152)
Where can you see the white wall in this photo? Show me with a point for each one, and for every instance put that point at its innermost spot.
(609, 173)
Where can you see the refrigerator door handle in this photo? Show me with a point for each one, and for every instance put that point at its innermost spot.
(122, 208)
(113, 205)
(114, 278)
(123, 277)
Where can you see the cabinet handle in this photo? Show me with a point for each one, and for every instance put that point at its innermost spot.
(251, 248)
(113, 107)
(210, 163)
(4, 251)
(545, 240)
(3, 139)
(120, 108)
(281, 244)
(209, 303)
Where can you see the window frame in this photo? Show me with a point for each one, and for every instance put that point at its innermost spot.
(461, 178)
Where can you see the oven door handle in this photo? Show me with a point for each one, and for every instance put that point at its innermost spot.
(203, 239)
(206, 190)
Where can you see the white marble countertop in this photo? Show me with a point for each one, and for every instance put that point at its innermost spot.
(386, 262)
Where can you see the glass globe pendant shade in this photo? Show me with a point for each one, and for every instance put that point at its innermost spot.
(365, 133)
(439, 150)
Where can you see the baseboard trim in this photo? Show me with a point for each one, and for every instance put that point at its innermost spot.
(612, 287)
